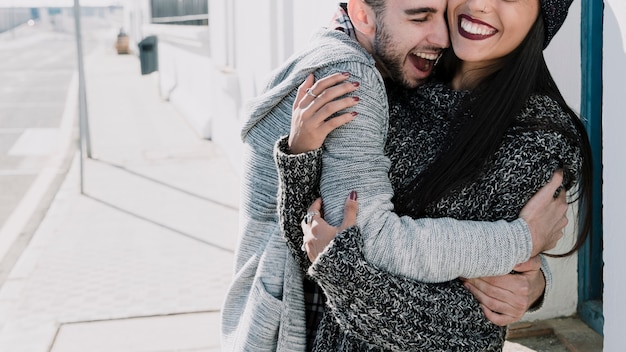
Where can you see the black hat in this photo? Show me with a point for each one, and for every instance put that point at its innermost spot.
(554, 14)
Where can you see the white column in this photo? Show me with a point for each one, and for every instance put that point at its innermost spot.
(614, 164)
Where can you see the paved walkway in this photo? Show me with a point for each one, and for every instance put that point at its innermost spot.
(142, 259)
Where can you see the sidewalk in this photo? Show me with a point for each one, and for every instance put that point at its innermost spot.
(142, 259)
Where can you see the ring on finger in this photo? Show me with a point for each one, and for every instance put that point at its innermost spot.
(558, 191)
(309, 216)
(310, 93)
(305, 241)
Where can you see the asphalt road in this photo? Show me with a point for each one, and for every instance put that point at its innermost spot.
(38, 102)
(36, 71)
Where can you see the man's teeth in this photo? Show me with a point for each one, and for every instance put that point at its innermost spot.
(475, 28)
(427, 56)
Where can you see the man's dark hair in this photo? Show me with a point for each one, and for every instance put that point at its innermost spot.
(377, 5)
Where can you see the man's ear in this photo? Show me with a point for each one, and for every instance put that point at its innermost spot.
(362, 17)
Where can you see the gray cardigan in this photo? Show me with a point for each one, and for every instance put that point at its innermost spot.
(264, 308)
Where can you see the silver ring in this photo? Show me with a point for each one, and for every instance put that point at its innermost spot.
(309, 216)
(309, 92)
(558, 191)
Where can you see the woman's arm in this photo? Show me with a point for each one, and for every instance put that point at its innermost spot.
(424, 249)
(298, 187)
(394, 312)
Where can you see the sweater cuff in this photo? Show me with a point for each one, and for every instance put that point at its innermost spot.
(325, 265)
(524, 239)
(547, 274)
(283, 156)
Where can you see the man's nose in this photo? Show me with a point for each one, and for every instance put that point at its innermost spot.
(439, 37)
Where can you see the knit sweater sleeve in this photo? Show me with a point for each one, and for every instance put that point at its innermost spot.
(394, 312)
(298, 187)
(547, 274)
(429, 250)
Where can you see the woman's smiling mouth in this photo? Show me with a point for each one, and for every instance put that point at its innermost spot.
(474, 29)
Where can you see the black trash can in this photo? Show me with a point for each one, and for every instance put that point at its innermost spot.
(148, 55)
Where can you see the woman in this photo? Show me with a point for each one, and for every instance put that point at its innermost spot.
(470, 156)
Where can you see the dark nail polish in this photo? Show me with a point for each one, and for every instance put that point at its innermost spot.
(356, 84)
(353, 195)
(356, 98)
(346, 73)
(354, 113)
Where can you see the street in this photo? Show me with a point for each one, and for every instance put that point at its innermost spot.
(37, 111)
(36, 74)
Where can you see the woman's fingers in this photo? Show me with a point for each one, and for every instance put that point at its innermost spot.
(350, 211)
(317, 232)
(546, 214)
(324, 90)
(333, 93)
(329, 81)
(322, 99)
(310, 90)
(338, 121)
(301, 93)
(319, 108)
(323, 111)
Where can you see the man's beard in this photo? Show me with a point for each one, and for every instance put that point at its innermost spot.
(391, 62)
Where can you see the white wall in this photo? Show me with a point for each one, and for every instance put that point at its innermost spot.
(135, 16)
(563, 58)
(614, 192)
(269, 31)
(246, 47)
(184, 76)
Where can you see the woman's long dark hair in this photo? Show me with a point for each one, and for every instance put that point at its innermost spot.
(484, 118)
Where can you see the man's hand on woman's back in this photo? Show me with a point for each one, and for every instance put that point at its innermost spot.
(545, 215)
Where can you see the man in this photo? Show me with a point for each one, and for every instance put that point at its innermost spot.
(265, 306)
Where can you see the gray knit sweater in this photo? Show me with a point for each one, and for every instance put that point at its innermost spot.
(370, 309)
(264, 306)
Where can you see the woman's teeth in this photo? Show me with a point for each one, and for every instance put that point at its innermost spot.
(475, 28)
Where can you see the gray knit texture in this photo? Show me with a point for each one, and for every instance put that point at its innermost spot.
(373, 310)
(554, 14)
(264, 306)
